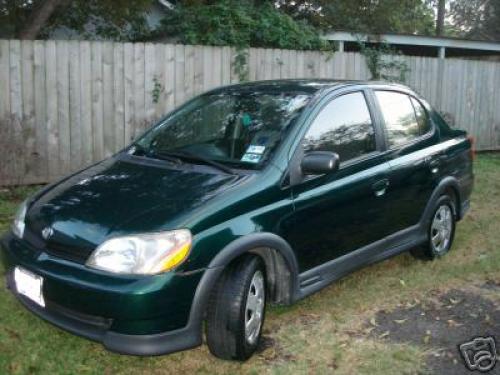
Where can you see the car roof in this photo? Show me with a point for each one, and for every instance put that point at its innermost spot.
(300, 85)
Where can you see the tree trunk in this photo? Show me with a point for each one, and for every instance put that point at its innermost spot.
(39, 17)
(440, 17)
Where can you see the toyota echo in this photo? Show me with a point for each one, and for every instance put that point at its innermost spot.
(244, 196)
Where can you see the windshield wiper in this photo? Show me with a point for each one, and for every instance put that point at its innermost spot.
(196, 158)
(166, 156)
(139, 150)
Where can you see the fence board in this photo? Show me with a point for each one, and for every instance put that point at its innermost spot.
(28, 102)
(150, 78)
(128, 101)
(40, 69)
(227, 72)
(179, 94)
(495, 128)
(159, 76)
(5, 167)
(74, 106)
(97, 102)
(169, 71)
(189, 71)
(16, 106)
(67, 104)
(139, 90)
(52, 116)
(86, 103)
(118, 97)
(108, 71)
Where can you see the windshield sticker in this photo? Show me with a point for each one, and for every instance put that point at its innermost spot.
(251, 158)
(252, 149)
(246, 120)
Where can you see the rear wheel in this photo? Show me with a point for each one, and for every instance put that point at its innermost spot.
(441, 231)
(236, 310)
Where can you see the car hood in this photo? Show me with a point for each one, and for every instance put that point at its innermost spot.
(122, 195)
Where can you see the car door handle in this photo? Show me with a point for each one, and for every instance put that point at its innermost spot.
(380, 187)
(434, 165)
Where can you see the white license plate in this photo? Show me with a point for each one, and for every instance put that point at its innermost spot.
(30, 285)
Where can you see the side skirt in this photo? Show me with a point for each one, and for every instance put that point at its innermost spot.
(319, 277)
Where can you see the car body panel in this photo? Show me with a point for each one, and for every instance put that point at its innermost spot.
(327, 224)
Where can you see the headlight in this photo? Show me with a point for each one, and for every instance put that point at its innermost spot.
(18, 224)
(145, 254)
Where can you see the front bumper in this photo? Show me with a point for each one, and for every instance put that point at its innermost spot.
(129, 315)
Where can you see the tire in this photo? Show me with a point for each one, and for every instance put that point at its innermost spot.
(239, 296)
(441, 230)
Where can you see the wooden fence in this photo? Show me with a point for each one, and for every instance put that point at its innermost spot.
(66, 104)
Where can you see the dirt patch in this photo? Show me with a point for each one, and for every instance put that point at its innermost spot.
(271, 351)
(440, 324)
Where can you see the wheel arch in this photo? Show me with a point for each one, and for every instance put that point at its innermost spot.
(278, 257)
(448, 185)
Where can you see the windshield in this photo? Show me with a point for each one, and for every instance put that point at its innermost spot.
(241, 129)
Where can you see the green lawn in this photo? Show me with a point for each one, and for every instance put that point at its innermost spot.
(325, 333)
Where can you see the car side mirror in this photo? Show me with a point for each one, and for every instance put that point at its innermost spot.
(319, 162)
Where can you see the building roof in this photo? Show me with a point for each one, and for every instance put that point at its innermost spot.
(415, 40)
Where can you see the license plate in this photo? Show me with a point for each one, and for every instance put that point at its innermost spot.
(30, 285)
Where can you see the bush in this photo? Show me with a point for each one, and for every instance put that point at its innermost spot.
(241, 24)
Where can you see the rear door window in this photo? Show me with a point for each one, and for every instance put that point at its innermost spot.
(422, 119)
(399, 116)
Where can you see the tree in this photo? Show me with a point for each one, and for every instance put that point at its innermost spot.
(39, 17)
(367, 16)
(476, 19)
(107, 19)
(440, 17)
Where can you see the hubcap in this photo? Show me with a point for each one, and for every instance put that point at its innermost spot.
(441, 228)
(254, 308)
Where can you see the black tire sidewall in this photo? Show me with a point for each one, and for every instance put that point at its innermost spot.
(225, 328)
(244, 349)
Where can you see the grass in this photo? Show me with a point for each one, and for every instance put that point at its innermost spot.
(321, 334)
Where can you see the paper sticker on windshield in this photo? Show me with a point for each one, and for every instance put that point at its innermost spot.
(251, 158)
(256, 149)
(246, 120)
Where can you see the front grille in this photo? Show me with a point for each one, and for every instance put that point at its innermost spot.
(56, 249)
(74, 254)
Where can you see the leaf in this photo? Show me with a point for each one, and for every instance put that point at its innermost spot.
(368, 330)
(401, 321)
(373, 322)
(402, 282)
(452, 323)
(385, 334)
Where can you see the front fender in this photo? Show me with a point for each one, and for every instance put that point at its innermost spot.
(230, 252)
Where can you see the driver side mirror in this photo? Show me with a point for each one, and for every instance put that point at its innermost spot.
(319, 162)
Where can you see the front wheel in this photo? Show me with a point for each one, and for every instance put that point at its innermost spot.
(236, 310)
